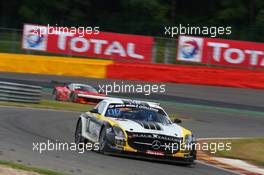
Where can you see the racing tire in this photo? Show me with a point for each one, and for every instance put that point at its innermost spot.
(188, 162)
(73, 97)
(103, 146)
(55, 95)
(79, 139)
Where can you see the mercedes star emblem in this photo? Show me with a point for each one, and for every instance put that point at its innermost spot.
(156, 144)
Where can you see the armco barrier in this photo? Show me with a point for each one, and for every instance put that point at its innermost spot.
(19, 92)
(199, 75)
(53, 65)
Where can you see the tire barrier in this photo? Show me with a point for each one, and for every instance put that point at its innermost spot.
(14, 92)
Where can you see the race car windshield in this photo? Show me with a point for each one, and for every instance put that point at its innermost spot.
(138, 113)
(85, 88)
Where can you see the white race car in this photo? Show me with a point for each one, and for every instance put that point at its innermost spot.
(135, 128)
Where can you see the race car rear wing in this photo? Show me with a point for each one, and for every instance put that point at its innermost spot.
(100, 98)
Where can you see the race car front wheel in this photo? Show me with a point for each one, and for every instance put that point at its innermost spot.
(79, 139)
(73, 97)
(55, 95)
(103, 146)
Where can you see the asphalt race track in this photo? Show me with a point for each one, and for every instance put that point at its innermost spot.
(20, 127)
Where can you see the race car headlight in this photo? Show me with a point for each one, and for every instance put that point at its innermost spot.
(119, 132)
(189, 138)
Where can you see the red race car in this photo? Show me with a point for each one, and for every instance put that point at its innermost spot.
(78, 93)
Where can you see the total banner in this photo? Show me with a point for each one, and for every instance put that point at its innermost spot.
(97, 44)
(221, 52)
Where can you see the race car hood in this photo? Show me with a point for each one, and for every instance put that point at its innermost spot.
(150, 127)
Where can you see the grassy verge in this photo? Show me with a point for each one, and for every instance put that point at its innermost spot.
(250, 150)
(52, 104)
(29, 169)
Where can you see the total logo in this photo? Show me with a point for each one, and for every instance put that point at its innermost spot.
(225, 53)
(103, 47)
(190, 49)
(35, 37)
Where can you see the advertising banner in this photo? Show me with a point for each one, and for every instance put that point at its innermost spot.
(221, 52)
(97, 44)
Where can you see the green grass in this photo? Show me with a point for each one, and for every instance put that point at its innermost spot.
(250, 150)
(52, 104)
(29, 169)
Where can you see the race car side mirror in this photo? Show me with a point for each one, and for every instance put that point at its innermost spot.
(176, 120)
(94, 110)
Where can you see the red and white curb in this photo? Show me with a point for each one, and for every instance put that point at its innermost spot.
(232, 165)
(228, 165)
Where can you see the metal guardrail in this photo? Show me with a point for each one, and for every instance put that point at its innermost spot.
(15, 92)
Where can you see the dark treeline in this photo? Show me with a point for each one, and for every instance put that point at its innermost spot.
(146, 17)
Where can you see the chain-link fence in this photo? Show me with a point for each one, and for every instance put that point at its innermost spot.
(164, 50)
(10, 40)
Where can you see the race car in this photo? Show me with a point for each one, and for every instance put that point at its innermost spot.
(79, 93)
(135, 128)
